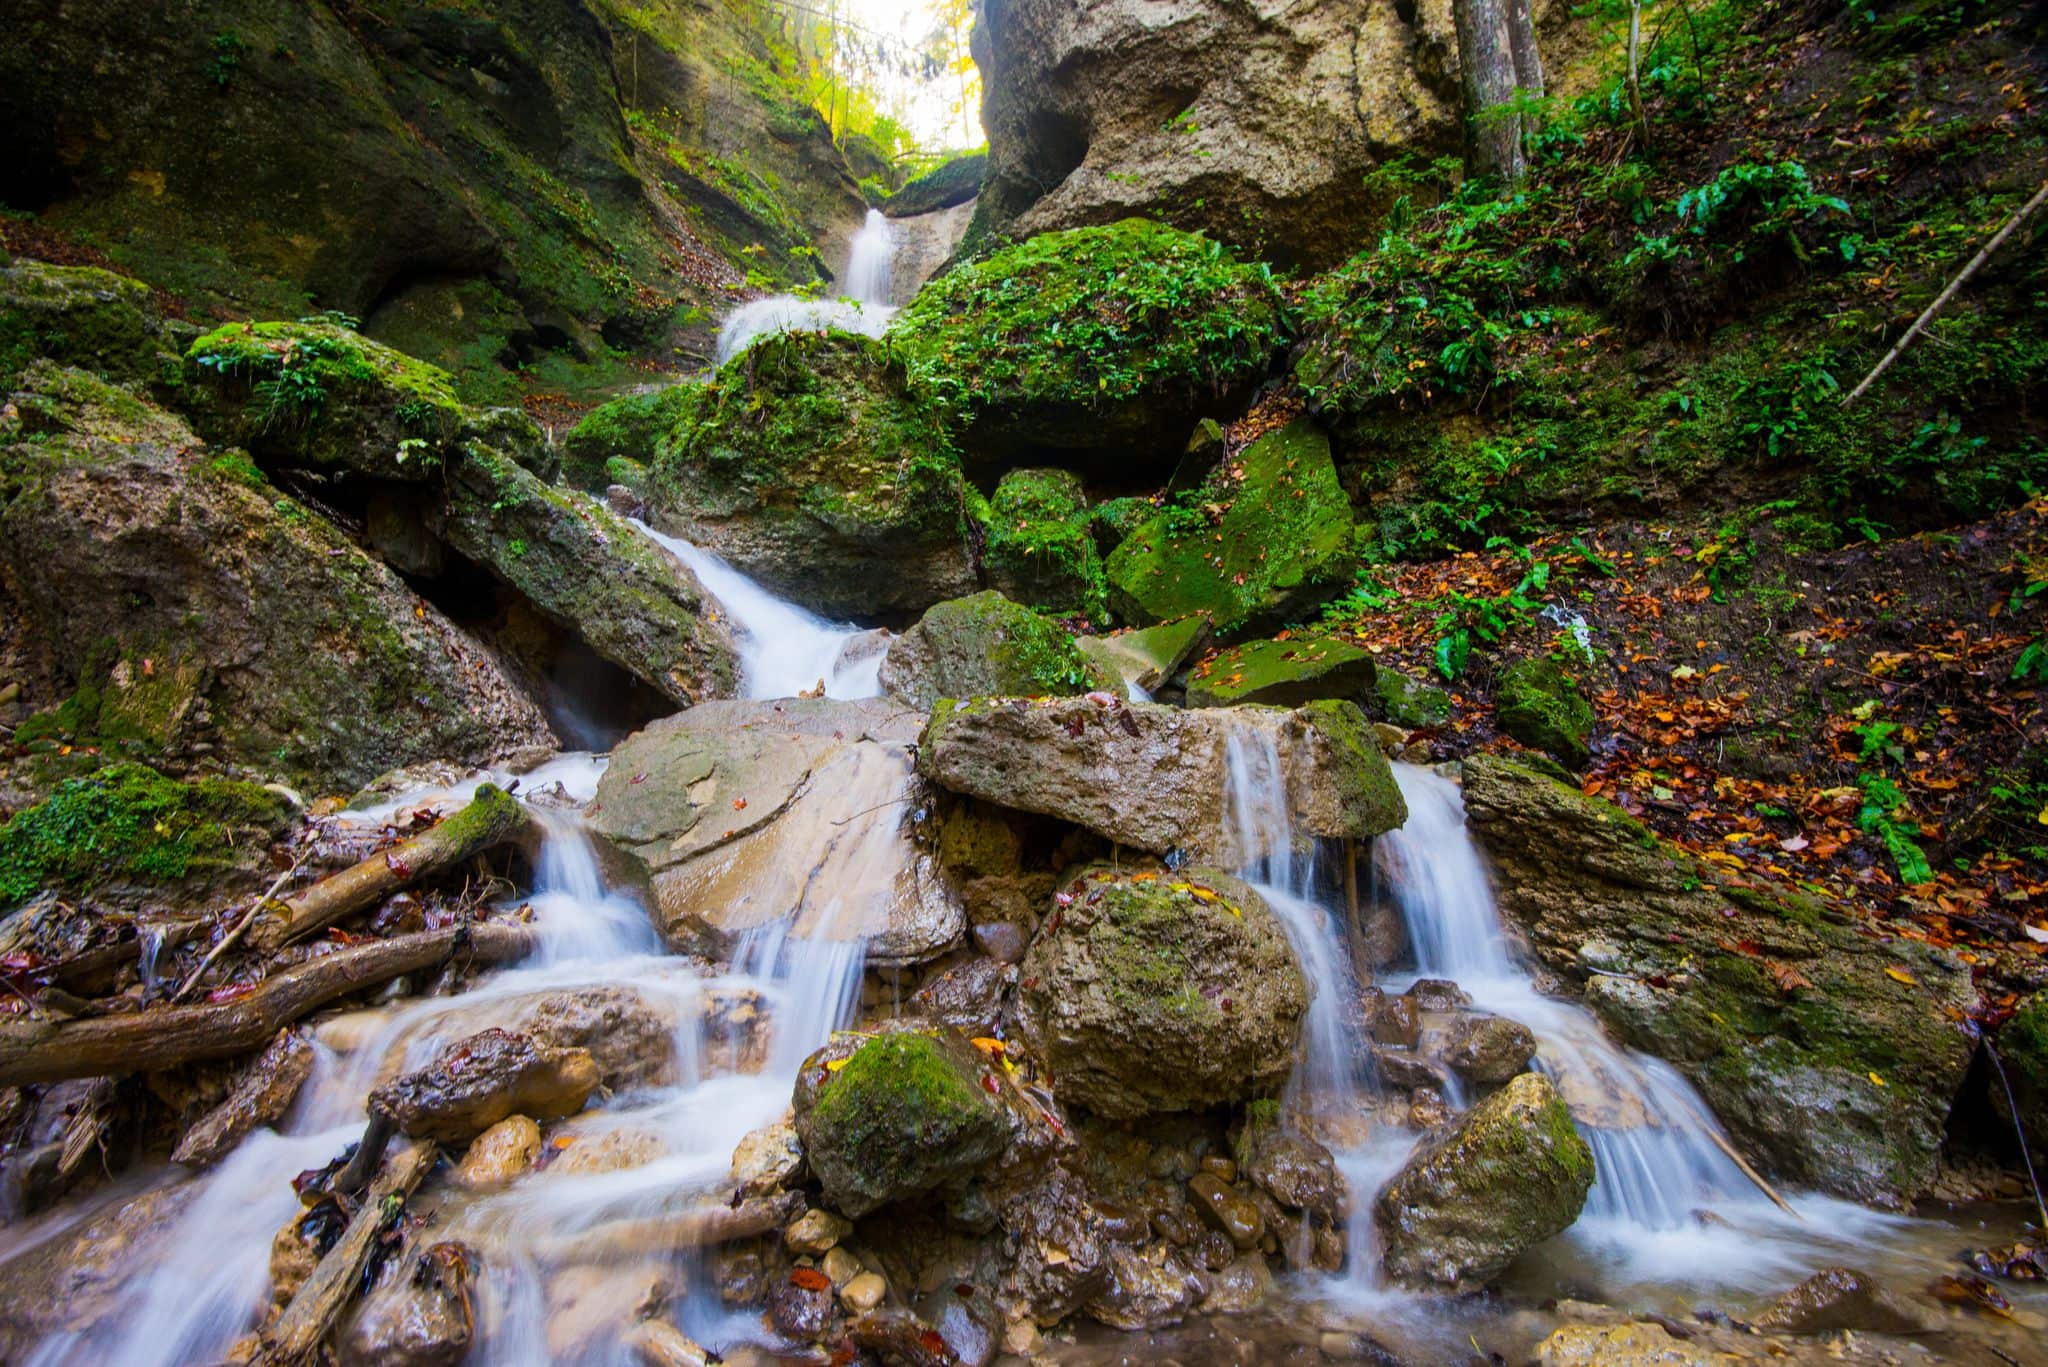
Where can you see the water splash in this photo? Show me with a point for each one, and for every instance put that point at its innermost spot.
(864, 308)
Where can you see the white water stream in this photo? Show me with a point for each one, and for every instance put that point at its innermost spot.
(863, 307)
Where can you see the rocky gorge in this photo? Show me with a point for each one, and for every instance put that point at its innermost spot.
(631, 734)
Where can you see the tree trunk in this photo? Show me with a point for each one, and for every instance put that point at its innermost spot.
(1486, 72)
(1527, 57)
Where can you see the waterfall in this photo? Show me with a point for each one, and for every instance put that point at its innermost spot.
(784, 650)
(863, 308)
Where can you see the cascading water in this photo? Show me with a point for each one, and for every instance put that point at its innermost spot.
(863, 307)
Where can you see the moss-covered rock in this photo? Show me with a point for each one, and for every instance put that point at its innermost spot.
(812, 463)
(1037, 545)
(985, 645)
(1282, 673)
(1832, 1056)
(1110, 340)
(1406, 701)
(127, 832)
(1474, 1196)
(321, 394)
(1151, 992)
(84, 317)
(1267, 535)
(628, 428)
(903, 1114)
(1148, 658)
(590, 573)
(1545, 708)
(953, 181)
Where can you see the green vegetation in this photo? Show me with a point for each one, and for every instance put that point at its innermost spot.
(1038, 546)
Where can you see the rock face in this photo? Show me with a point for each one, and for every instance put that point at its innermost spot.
(204, 606)
(1253, 125)
(1104, 344)
(811, 463)
(1281, 541)
(1282, 674)
(1510, 1174)
(78, 316)
(1162, 992)
(985, 645)
(1154, 777)
(735, 809)
(1694, 973)
(903, 1114)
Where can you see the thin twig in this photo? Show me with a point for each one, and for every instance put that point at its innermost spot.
(233, 937)
(2012, 1104)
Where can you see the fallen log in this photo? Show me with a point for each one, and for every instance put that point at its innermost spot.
(142, 1041)
(305, 1323)
(492, 818)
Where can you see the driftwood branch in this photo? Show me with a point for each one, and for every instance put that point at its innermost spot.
(48, 1051)
(305, 1323)
(233, 937)
(492, 818)
(1976, 263)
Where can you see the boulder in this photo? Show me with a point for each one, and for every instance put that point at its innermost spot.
(1155, 778)
(1146, 658)
(1406, 701)
(196, 605)
(768, 1160)
(1148, 992)
(1835, 1299)
(1282, 673)
(1545, 708)
(81, 316)
(1267, 536)
(813, 464)
(1036, 542)
(985, 645)
(746, 813)
(1487, 1049)
(1258, 127)
(903, 1114)
(968, 996)
(1288, 1165)
(1839, 1076)
(1148, 1288)
(477, 1082)
(1475, 1195)
(1102, 345)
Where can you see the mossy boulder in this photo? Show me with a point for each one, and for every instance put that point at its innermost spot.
(1475, 1195)
(985, 645)
(84, 317)
(1156, 991)
(127, 832)
(903, 1114)
(627, 428)
(197, 609)
(590, 573)
(323, 395)
(1036, 543)
(953, 181)
(1268, 535)
(1832, 1055)
(1148, 658)
(812, 463)
(1543, 706)
(1406, 701)
(1109, 341)
(1282, 673)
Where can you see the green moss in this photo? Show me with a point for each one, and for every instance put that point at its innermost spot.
(1281, 673)
(986, 645)
(1266, 535)
(1543, 707)
(128, 823)
(902, 1115)
(953, 181)
(79, 316)
(1404, 701)
(1037, 546)
(628, 429)
(1093, 337)
(1363, 779)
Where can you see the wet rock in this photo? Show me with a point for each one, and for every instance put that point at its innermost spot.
(814, 1232)
(1396, 1021)
(1148, 1288)
(1234, 1214)
(899, 1338)
(630, 1038)
(77, 1277)
(840, 1265)
(1242, 1285)
(1488, 1049)
(657, 1343)
(904, 1113)
(985, 645)
(1408, 1072)
(1427, 1108)
(1838, 1298)
(2023, 1047)
(589, 1303)
(1624, 1345)
(1789, 1074)
(863, 1292)
(261, 1096)
(1003, 941)
(1161, 992)
(419, 1315)
(1058, 1245)
(613, 1149)
(1149, 657)
(801, 1307)
(1281, 543)
(503, 1152)
(969, 997)
(1437, 994)
(768, 1160)
(1285, 673)
(1291, 1167)
(476, 1082)
(1152, 777)
(750, 812)
(1511, 1173)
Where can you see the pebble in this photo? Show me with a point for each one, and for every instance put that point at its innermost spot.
(841, 1266)
(501, 1153)
(1216, 1163)
(815, 1232)
(864, 1292)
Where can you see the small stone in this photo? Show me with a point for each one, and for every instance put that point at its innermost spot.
(1022, 1338)
(1438, 994)
(1004, 941)
(501, 1153)
(1232, 1212)
(657, 1343)
(1623, 1345)
(1239, 1286)
(1223, 1167)
(815, 1232)
(1487, 1049)
(864, 1292)
(840, 1265)
(799, 1311)
(1339, 1346)
(1397, 1022)
(476, 1082)
(1427, 1108)
(1406, 1072)
(767, 1160)
(1838, 1298)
